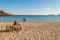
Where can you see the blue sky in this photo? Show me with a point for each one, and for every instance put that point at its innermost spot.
(31, 7)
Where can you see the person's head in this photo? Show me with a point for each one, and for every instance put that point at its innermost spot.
(15, 21)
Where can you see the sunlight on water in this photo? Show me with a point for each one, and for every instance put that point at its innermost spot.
(30, 18)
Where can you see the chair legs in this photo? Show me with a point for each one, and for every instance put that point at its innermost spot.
(11, 29)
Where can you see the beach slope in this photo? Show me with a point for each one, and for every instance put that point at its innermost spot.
(33, 31)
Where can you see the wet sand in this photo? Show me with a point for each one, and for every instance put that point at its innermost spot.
(32, 31)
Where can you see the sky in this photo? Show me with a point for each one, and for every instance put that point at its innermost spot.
(31, 7)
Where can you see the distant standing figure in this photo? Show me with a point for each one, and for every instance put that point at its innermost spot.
(24, 19)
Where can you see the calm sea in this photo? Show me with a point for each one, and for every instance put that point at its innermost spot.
(30, 18)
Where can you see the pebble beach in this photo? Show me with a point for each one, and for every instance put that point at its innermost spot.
(33, 31)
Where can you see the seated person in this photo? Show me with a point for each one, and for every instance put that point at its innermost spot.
(16, 25)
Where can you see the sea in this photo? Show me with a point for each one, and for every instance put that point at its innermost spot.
(31, 18)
